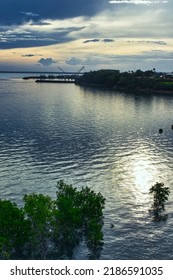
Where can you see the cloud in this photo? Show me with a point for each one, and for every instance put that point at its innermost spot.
(98, 40)
(28, 55)
(52, 9)
(138, 2)
(162, 43)
(87, 61)
(29, 14)
(41, 33)
(91, 41)
(124, 22)
(158, 55)
(41, 23)
(113, 59)
(46, 61)
(80, 32)
(159, 42)
(73, 61)
(107, 40)
(24, 41)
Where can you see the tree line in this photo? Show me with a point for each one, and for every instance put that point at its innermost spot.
(129, 81)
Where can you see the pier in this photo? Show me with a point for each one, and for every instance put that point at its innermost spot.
(56, 77)
(71, 81)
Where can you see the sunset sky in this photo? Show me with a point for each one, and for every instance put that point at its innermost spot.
(42, 35)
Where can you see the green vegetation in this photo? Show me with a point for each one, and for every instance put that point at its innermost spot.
(128, 81)
(160, 196)
(104, 78)
(168, 83)
(46, 228)
(13, 230)
(51, 229)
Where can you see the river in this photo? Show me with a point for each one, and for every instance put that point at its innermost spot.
(108, 141)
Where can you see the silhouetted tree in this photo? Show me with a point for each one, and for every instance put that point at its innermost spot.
(160, 196)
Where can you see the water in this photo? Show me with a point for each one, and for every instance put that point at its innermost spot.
(105, 140)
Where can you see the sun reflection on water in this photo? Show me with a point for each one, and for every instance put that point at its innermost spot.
(142, 174)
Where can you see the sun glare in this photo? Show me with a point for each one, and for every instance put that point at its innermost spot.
(143, 173)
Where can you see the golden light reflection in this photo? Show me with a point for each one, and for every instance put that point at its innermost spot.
(145, 174)
(142, 174)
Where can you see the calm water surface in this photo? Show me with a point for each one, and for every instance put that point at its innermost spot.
(105, 140)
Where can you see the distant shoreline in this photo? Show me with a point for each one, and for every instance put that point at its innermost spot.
(147, 82)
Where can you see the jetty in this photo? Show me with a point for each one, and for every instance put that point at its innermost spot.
(55, 81)
(57, 77)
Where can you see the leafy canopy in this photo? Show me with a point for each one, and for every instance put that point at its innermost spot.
(160, 196)
(45, 228)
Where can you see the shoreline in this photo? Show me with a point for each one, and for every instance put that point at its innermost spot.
(123, 89)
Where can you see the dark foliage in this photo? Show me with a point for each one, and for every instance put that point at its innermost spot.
(51, 229)
(129, 81)
(160, 196)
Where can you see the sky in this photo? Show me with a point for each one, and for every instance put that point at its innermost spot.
(49, 35)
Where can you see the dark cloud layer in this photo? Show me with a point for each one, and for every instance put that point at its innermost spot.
(145, 30)
(91, 41)
(98, 40)
(28, 55)
(26, 39)
(23, 42)
(149, 42)
(18, 11)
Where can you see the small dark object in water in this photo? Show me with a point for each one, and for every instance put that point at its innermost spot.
(160, 130)
(172, 126)
(112, 226)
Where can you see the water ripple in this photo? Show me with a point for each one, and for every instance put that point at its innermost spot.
(109, 142)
